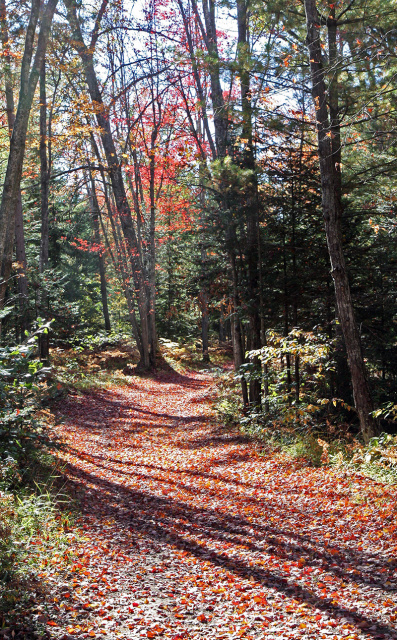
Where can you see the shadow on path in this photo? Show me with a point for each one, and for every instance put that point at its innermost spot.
(252, 548)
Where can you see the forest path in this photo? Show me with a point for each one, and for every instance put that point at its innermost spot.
(190, 533)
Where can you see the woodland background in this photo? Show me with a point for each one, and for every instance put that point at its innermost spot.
(168, 167)
(198, 314)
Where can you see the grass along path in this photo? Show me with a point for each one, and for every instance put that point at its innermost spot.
(188, 532)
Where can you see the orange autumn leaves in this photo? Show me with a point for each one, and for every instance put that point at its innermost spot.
(188, 532)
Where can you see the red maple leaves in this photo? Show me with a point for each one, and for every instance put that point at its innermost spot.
(189, 532)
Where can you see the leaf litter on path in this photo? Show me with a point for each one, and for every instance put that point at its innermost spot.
(190, 533)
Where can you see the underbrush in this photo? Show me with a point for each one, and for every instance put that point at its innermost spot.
(107, 360)
(33, 536)
(98, 342)
(94, 364)
(97, 364)
(377, 460)
(182, 355)
(32, 519)
(322, 440)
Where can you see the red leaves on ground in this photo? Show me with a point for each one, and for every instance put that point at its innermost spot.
(189, 533)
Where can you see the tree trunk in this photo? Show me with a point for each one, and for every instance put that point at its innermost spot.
(332, 212)
(218, 104)
(121, 264)
(203, 293)
(30, 72)
(152, 250)
(203, 301)
(20, 255)
(20, 252)
(222, 332)
(251, 200)
(237, 339)
(44, 183)
(196, 74)
(44, 345)
(94, 206)
(286, 315)
(116, 178)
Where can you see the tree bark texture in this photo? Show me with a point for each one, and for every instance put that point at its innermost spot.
(94, 205)
(30, 72)
(20, 252)
(332, 212)
(251, 199)
(218, 103)
(44, 344)
(152, 248)
(44, 177)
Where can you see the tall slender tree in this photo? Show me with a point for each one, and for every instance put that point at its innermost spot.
(139, 275)
(329, 157)
(32, 61)
(20, 251)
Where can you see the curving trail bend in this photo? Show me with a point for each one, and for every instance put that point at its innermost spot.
(188, 532)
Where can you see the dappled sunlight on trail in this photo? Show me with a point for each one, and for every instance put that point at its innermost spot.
(190, 533)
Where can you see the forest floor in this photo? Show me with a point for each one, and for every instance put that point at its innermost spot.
(187, 530)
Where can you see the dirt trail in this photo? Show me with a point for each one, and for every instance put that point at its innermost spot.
(190, 533)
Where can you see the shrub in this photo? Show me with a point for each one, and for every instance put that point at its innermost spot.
(20, 374)
(291, 400)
